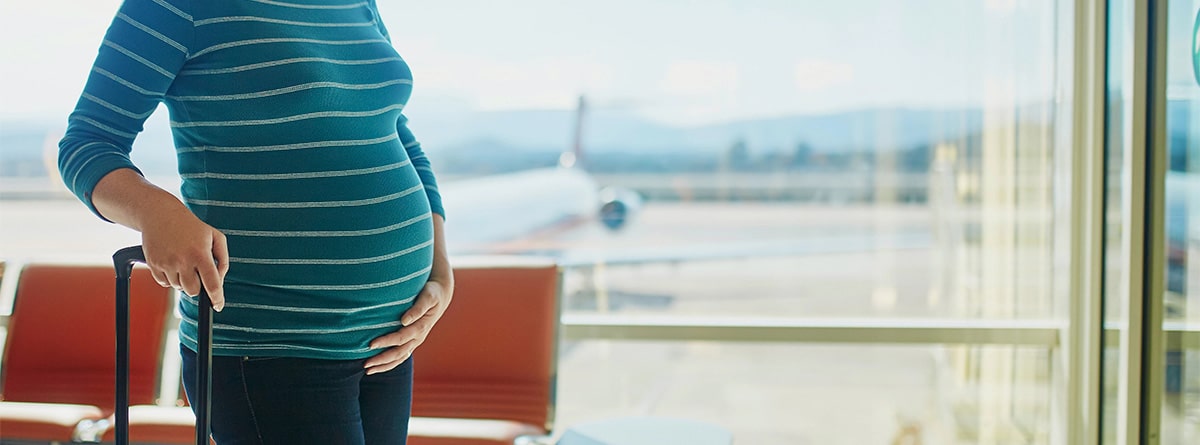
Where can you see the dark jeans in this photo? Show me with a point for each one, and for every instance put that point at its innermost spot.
(284, 400)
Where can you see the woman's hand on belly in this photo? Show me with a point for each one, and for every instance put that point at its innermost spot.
(431, 303)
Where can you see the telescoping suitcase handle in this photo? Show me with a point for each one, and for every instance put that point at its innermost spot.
(124, 260)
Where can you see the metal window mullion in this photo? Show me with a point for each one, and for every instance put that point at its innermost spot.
(1079, 379)
(1034, 333)
(1045, 334)
(1153, 259)
(1133, 213)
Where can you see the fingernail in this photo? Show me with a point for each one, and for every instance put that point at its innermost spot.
(217, 307)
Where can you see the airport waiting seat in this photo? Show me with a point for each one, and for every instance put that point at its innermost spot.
(162, 425)
(58, 366)
(486, 375)
(158, 424)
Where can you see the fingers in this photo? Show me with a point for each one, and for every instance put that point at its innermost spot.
(188, 255)
(160, 277)
(212, 272)
(417, 321)
(389, 359)
(211, 278)
(388, 366)
(190, 283)
(220, 252)
(400, 345)
(400, 337)
(392, 357)
(422, 306)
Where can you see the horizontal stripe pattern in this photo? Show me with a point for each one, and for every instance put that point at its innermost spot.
(364, 286)
(151, 31)
(304, 204)
(116, 109)
(310, 331)
(303, 6)
(288, 126)
(296, 146)
(222, 348)
(139, 59)
(291, 89)
(238, 43)
(278, 22)
(331, 261)
(305, 175)
(325, 233)
(110, 130)
(286, 119)
(341, 311)
(173, 9)
(281, 62)
(126, 83)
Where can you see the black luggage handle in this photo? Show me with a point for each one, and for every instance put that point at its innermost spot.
(123, 261)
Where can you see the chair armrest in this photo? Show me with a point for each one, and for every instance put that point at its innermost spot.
(56, 422)
(497, 430)
(161, 415)
(160, 424)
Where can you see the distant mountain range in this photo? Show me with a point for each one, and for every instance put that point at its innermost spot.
(533, 138)
(619, 131)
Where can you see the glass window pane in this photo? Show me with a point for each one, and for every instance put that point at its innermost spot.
(1181, 399)
(774, 159)
(1118, 144)
(817, 394)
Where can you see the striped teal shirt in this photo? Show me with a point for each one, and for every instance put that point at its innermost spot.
(287, 123)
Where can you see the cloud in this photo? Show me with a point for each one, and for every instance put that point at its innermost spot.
(700, 78)
(513, 84)
(1000, 6)
(816, 74)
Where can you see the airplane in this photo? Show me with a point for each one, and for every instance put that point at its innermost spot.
(498, 211)
(489, 212)
(529, 211)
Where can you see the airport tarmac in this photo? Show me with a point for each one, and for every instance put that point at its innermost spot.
(764, 393)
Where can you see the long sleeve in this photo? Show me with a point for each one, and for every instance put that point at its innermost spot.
(144, 48)
(422, 164)
(411, 145)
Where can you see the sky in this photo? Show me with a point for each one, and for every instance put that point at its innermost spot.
(684, 62)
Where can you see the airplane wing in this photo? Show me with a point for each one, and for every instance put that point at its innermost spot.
(532, 213)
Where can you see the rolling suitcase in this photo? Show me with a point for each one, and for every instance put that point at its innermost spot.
(124, 261)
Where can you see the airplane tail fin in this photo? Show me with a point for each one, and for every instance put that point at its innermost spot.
(575, 158)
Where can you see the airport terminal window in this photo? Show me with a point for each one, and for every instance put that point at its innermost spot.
(1118, 143)
(765, 159)
(1181, 396)
(811, 160)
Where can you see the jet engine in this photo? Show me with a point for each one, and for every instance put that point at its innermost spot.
(618, 206)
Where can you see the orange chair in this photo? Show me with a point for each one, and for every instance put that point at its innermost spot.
(164, 425)
(159, 425)
(486, 374)
(58, 366)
